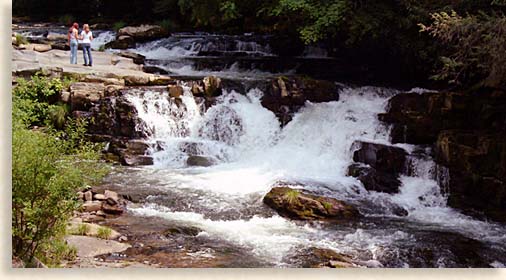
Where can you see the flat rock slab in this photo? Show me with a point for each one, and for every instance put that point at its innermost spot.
(88, 247)
(107, 67)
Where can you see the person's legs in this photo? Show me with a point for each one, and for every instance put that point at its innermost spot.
(73, 52)
(89, 56)
(85, 54)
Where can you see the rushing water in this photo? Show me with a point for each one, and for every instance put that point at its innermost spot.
(251, 152)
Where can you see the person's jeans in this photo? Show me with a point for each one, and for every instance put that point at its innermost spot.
(87, 54)
(73, 51)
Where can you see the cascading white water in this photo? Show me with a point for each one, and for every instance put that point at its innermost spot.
(252, 152)
(102, 39)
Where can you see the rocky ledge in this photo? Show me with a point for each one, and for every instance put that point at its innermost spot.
(468, 133)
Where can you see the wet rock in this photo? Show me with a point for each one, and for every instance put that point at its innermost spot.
(477, 170)
(182, 230)
(374, 180)
(154, 70)
(286, 95)
(322, 258)
(199, 161)
(142, 32)
(137, 58)
(122, 42)
(296, 204)
(212, 86)
(115, 117)
(83, 96)
(381, 157)
(135, 160)
(176, 91)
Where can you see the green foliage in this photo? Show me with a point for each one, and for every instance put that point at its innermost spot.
(104, 232)
(477, 47)
(55, 251)
(167, 25)
(47, 170)
(101, 48)
(66, 19)
(21, 40)
(118, 25)
(58, 115)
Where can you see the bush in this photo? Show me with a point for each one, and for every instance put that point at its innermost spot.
(47, 170)
(118, 25)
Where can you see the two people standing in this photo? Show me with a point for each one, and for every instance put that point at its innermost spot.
(86, 37)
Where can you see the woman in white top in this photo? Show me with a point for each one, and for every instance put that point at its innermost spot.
(86, 37)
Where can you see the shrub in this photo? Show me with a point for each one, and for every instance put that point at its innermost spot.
(82, 229)
(104, 232)
(477, 47)
(118, 25)
(47, 170)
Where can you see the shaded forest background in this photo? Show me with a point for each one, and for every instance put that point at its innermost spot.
(447, 40)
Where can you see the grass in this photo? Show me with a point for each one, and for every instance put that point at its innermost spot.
(292, 196)
(21, 40)
(82, 229)
(104, 232)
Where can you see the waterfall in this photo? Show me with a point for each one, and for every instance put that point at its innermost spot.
(252, 151)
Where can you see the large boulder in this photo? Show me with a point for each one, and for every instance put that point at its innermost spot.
(383, 158)
(115, 117)
(378, 166)
(285, 95)
(130, 152)
(122, 42)
(143, 32)
(83, 96)
(199, 161)
(374, 180)
(299, 205)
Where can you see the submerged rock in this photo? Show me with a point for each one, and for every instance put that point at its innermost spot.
(322, 258)
(296, 204)
(182, 230)
(199, 161)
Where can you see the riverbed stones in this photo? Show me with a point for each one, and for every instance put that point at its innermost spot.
(88, 247)
(212, 86)
(176, 91)
(88, 196)
(296, 204)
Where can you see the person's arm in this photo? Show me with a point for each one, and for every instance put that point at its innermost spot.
(81, 36)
